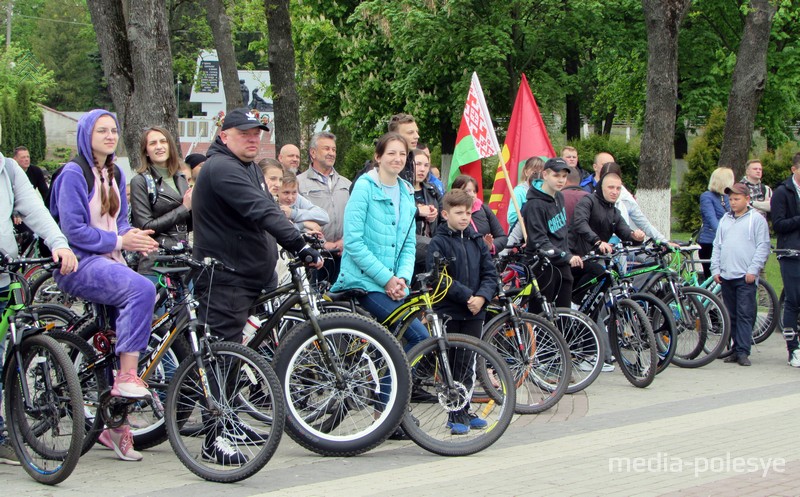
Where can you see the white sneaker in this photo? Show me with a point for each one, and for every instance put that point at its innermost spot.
(584, 365)
(795, 360)
(608, 368)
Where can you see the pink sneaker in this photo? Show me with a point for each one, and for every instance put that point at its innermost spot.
(122, 443)
(105, 439)
(130, 385)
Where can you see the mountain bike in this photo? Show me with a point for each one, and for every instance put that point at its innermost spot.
(535, 351)
(227, 392)
(629, 330)
(580, 332)
(42, 390)
(457, 379)
(345, 378)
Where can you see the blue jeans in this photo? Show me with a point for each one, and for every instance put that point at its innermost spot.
(740, 300)
(381, 305)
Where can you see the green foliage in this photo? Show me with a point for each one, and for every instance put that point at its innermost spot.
(702, 159)
(777, 164)
(22, 124)
(625, 153)
(354, 159)
(65, 44)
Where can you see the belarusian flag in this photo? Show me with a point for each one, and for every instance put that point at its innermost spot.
(526, 138)
(476, 138)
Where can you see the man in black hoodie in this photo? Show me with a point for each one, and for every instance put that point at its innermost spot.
(237, 222)
(786, 222)
(546, 223)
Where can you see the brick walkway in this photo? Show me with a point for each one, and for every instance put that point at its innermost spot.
(718, 430)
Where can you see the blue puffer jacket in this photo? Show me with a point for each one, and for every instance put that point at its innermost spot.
(376, 246)
(712, 207)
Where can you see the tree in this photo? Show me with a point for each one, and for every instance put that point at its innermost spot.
(663, 19)
(747, 87)
(282, 73)
(64, 39)
(221, 28)
(138, 66)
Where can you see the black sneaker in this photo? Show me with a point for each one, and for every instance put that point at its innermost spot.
(731, 358)
(744, 361)
(7, 454)
(239, 432)
(222, 451)
(421, 396)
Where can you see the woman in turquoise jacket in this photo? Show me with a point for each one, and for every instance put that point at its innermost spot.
(380, 236)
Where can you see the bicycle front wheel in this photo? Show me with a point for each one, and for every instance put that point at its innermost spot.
(536, 354)
(713, 320)
(443, 416)
(357, 411)
(46, 428)
(233, 442)
(633, 343)
(664, 328)
(586, 347)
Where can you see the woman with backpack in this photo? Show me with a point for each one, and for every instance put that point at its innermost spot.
(95, 221)
(161, 199)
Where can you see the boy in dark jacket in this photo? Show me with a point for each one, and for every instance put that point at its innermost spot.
(474, 284)
(545, 219)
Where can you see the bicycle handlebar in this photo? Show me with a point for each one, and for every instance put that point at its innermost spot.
(183, 258)
(9, 263)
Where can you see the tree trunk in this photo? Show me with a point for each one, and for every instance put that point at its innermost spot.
(749, 80)
(573, 105)
(137, 63)
(220, 25)
(662, 19)
(609, 124)
(282, 73)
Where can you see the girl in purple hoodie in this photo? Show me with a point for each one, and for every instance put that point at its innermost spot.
(96, 225)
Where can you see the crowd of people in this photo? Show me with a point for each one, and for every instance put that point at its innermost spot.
(378, 231)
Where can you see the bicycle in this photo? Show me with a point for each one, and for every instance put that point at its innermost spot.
(629, 330)
(781, 254)
(41, 388)
(447, 369)
(225, 391)
(536, 352)
(703, 324)
(580, 332)
(345, 378)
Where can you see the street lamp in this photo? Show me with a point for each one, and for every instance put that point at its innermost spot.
(178, 98)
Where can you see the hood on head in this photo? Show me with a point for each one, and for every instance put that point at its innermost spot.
(85, 127)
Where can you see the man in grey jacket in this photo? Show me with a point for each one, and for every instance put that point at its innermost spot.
(17, 197)
(740, 250)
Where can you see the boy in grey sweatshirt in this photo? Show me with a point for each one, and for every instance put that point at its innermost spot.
(740, 250)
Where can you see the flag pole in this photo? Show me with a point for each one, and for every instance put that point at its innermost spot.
(513, 197)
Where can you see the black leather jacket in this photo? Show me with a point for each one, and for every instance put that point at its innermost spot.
(170, 220)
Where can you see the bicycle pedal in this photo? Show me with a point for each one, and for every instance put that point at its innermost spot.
(789, 334)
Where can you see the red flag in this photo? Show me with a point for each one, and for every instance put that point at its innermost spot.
(476, 137)
(526, 138)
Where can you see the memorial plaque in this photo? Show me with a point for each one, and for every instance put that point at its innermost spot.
(208, 76)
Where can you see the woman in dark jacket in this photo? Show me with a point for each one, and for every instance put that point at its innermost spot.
(161, 199)
(713, 205)
(484, 220)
